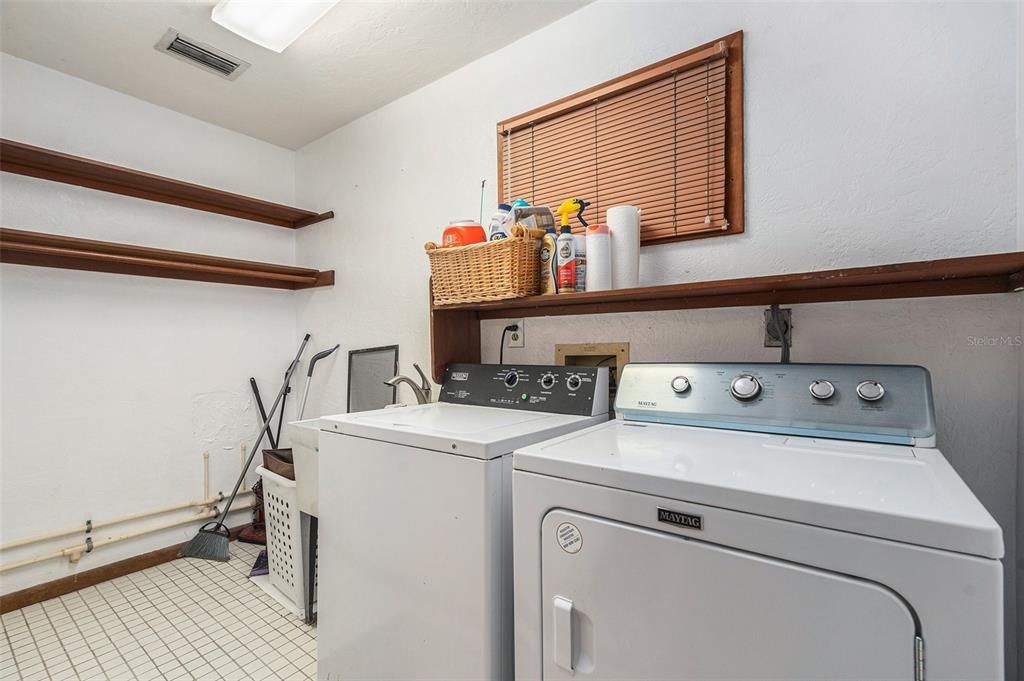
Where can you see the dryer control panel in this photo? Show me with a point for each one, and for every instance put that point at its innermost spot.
(868, 402)
(573, 390)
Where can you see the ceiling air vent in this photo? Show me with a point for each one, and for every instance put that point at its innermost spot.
(202, 55)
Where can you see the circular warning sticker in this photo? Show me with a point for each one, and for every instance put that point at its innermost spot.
(569, 537)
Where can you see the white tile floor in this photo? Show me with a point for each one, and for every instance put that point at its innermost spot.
(187, 619)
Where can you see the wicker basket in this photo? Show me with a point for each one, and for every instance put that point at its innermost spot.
(492, 270)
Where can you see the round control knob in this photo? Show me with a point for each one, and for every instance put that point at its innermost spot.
(512, 378)
(680, 384)
(547, 381)
(745, 387)
(871, 391)
(573, 383)
(822, 390)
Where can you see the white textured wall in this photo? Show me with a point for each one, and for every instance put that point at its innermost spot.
(113, 386)
(1020, 246)
(874, 133)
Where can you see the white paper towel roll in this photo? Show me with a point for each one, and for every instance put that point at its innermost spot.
(624, 226)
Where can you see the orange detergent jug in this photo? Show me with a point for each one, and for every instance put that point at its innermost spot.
(463, 233)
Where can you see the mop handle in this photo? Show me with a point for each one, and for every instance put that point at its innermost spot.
(309, 375)
(263, 430)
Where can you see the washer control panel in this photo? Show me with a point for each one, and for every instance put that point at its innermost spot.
(574, 390)
(878, 403)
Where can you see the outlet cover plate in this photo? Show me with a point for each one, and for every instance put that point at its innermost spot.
(517, 339)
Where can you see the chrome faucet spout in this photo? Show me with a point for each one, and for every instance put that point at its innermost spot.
(421, 391)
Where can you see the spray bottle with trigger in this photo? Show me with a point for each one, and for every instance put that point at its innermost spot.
(566, 245)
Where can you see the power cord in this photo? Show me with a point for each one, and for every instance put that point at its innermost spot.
(778, 329)
(501, 351)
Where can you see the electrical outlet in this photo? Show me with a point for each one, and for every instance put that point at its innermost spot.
(771, 339)
(517, 339)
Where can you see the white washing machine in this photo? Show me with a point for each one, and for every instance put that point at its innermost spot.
(415, 522)
(755, 521)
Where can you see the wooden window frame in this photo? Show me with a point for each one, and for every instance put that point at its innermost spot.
(731, 47)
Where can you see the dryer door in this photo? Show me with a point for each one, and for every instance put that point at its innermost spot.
(623, 602)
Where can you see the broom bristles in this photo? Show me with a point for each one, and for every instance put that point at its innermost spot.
(207, 545)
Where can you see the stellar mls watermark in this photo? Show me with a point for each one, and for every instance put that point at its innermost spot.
(995, 341)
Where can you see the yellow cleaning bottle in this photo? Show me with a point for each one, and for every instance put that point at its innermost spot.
(565, 267)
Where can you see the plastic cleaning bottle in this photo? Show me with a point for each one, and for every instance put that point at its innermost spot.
(548, 244)
(498, 229)
(581, 262)
(566, 253)
(566, 263)
(599, 258)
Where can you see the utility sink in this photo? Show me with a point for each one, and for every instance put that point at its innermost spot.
(304, 437)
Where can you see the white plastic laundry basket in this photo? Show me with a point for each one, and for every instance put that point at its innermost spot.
(284, 536)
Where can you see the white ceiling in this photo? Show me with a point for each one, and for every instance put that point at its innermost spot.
(360, 56)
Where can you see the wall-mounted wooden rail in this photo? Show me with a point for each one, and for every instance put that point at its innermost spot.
(455, 329)
(25, 159)
(49, 250)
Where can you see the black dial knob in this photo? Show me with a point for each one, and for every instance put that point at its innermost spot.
(512, 378)
(547, 381)
(573, 383)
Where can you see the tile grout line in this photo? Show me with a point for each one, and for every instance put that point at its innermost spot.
(103, 627)
(56, 632)
(190, 644)
(7, 636)
(210, 613)
(74, 620)
(206, 591)
(185, 575)
(35, 642)
(146, 623)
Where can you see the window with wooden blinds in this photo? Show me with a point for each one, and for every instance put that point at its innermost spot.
(667, 138)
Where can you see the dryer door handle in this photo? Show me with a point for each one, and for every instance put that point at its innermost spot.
(563, 632)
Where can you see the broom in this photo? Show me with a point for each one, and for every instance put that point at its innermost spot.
(211, 542)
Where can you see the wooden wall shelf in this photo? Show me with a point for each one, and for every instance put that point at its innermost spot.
(25, 159)
(49, 250)
(455, 329)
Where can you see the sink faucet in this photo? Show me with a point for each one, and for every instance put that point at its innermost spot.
(421, 391)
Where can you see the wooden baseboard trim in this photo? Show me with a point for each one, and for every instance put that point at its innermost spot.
(65, 585)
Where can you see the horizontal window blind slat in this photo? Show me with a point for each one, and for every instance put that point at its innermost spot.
(696, 193)
(663, 195)
(667, 229)
(661, 117)
(684, 230)
(659, 172)
(664, 225)
(664, 142)
(645, 136)
(660, 146)
(653, 209)
(627, 170)
(688, 82)
(693, 153)
(554, 199)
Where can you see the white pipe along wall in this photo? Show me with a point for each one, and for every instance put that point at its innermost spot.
(854, 155)
(114, 386)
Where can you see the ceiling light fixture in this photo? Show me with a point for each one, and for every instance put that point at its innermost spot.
(273, 24)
